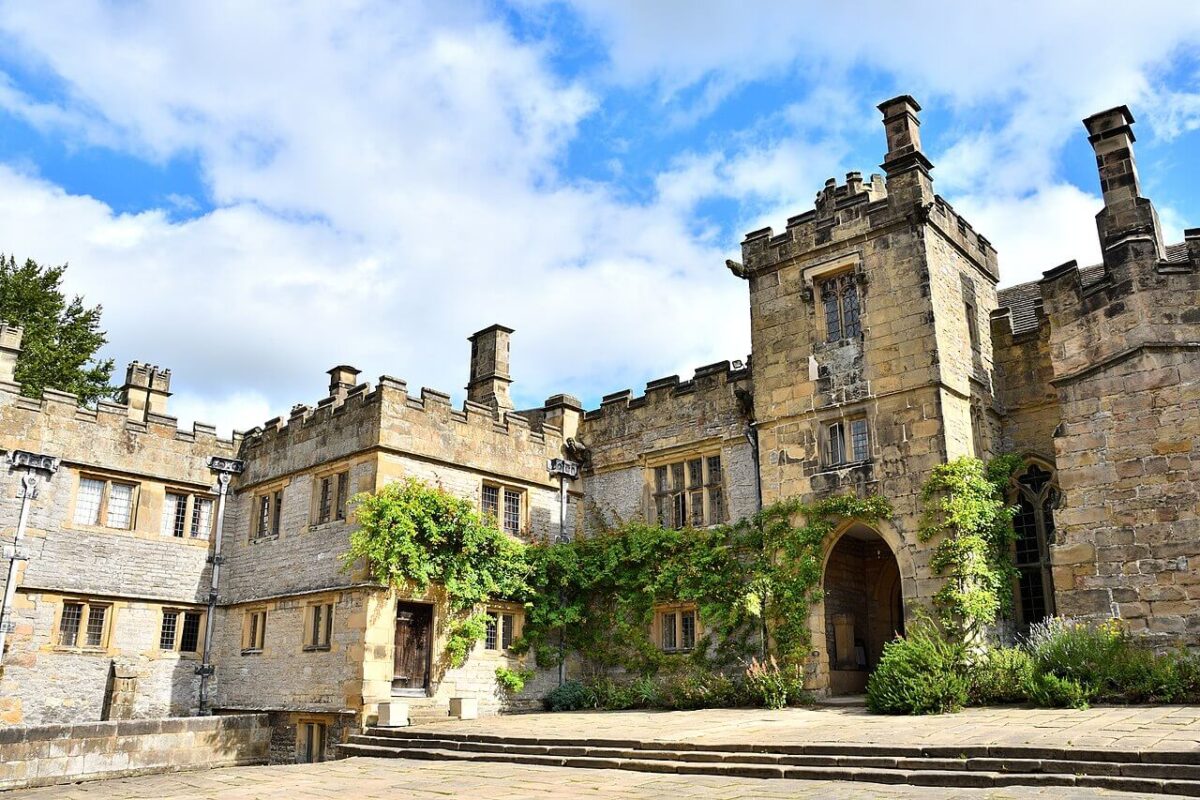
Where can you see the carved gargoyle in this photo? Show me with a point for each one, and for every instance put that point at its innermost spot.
(577, 451)
(736, 268)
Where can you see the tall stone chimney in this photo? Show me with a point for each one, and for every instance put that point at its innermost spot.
(145, 391)
(904, 154)
(1127, 217)
(10, 349)
(342, 379)
(489, 368)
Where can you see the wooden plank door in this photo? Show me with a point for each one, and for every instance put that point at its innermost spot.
(414, 623)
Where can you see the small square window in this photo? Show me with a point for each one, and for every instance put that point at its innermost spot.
(504, 505)
(677, 627)
(99, 499)
(502, 628)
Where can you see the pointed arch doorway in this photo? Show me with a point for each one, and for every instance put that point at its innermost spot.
(864, 606)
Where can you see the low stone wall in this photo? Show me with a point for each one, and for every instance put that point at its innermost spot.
(44, 755)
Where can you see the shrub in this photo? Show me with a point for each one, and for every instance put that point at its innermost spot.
(570, 696)
(922, 673)
(512, 681)
(773, 686)
(1047, 689)
(1001, 675)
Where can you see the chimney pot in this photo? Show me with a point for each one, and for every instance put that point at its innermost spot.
(489, 368)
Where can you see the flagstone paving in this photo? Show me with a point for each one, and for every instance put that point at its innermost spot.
(387, 779)
(1109, 727)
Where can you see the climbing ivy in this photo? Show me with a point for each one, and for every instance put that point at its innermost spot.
(752, 582)
(966, 510)
(413, 535)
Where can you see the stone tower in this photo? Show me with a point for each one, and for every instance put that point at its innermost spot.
(872, 365)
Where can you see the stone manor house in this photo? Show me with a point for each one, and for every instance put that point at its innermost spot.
(159, 571)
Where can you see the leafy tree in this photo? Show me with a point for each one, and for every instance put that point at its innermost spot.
(61, 338)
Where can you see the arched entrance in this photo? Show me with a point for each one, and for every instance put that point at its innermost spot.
(864, 606)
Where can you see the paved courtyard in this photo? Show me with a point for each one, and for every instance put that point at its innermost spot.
(1115, 727)
(386, 779)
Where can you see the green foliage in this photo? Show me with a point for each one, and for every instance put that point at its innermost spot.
(570, 696)
(1051, 691)
(752, 582)
(1108, 665)
(773, 686)
(58, 350)
(464, 632)
(512, 681)
(922, 673)
(414, 535)
(965, 510)
(1001, 675)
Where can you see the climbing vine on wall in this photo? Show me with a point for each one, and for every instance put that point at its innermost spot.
(414, 535)
(751, 581)
(966, 511)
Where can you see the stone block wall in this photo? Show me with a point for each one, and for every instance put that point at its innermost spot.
(48, 755)
(673, 416)
(137, 571)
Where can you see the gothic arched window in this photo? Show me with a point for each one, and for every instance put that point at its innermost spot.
(1034, 525)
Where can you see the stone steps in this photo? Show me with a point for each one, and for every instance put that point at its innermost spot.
(974, 766)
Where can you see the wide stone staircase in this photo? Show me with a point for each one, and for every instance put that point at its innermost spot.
(982, 766)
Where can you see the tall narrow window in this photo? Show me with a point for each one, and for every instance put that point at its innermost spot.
(268, 514)
(202, 508)
(254, 632)
(170, 627)
(264, 515)
(512, 511)
(326, 501)
(491, 635)
(68, 626)
(972, 325)
(860, 446)
(836, 444)
(669, 632)
(87, 501)
(175, 515)
(1034, 526)
(189, 638)
(320, 626)
(277, 512)
(491, 502)
(343, 484)
(842, 308)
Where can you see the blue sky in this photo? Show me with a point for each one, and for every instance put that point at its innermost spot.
(256, 192)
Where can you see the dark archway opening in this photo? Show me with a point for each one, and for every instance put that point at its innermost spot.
(864, 607)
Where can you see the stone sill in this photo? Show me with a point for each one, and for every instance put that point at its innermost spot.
(317, 648)
(252, 652)
(259, 539)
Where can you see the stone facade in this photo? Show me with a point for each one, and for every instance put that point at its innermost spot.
(881, 348)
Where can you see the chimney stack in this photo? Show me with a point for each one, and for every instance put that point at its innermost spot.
(489, 368)
(906, 166)
(10, 350)
(1126, 214)
(145, 391)
(342, 379)
(903, 129)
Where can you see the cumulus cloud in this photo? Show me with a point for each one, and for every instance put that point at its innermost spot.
(386, 178)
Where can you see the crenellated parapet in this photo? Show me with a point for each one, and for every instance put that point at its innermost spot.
(716, 403)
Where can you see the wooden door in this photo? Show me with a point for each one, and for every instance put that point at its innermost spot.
(414, 624)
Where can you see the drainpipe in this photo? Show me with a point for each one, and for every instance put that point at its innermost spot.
(225, 468)
(752, 438)
(563, 469)
(32, 462)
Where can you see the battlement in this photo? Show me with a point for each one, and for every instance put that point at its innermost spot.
(708, 378)
(361, 410)
(860, 210)
(114, 415)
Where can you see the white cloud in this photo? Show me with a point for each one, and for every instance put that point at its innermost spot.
(388, 176)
